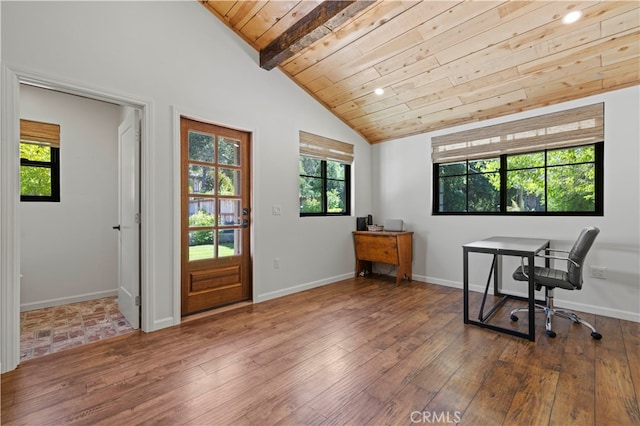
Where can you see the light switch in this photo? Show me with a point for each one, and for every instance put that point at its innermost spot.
(275, 210)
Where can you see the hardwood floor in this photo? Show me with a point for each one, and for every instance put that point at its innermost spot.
(361, 351)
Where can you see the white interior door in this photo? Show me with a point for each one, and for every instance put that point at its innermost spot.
(129, 219)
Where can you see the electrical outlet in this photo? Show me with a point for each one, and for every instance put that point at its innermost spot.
(276, 263)
(599, 272)
(275, 210)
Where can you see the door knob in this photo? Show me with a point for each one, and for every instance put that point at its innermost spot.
(117, 227)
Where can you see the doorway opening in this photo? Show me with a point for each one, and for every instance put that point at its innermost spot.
(10, 221)
(79, 260)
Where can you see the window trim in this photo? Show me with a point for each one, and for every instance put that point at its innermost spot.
(325, 179)
(598, 184)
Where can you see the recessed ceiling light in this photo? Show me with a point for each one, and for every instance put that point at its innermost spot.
(379, 91)
(572, 17)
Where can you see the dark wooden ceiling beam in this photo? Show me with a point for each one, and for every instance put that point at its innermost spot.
(327, 16)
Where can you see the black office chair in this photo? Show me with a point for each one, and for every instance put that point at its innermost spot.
(555, 278)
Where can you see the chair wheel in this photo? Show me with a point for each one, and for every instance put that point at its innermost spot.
(551, 333)
(596, 335)
(514, 318)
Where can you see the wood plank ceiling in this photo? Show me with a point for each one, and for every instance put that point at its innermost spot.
(442, 63)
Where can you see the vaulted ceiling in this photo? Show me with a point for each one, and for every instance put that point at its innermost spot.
(440, 63)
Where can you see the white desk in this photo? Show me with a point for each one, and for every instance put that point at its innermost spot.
(498, 247)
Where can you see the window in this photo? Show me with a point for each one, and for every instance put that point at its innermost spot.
(325, 176)
(39, 161)
(548, 165)
(556, 182)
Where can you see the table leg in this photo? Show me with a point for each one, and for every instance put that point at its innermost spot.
(532, 299)
(497, 276)
(465, 284)
(496, 268)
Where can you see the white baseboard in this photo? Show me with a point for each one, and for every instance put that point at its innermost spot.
(164, 323)
(295, 289)
(567, 304)
(67, 300)
(597, 310)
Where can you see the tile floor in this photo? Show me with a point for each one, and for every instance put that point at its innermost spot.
(49, 330)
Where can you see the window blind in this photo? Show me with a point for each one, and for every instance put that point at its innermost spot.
(573, 127)
(325, 149)
(41, 133)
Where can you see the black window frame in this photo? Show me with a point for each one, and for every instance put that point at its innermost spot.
(325, 180)
(54, 165)
(598, 184)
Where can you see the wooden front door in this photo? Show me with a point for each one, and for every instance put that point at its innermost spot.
(215, 182)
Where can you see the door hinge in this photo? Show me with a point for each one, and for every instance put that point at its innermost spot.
(138, 218)
(137, 300)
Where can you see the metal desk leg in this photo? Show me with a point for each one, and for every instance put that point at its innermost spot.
(496, 268)
(497, 276)
(465, 284)
(532, 299)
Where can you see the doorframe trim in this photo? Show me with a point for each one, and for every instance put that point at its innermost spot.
(177, 112)
(12, 77)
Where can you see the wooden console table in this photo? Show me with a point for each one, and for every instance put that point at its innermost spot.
(395, 248)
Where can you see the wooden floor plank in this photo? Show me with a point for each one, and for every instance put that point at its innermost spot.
(359, 411)
(492, 401)
(574, 402)
(616, 398)
(304, 415)
(407, 403)
(281, 404)
(631, 336)
(359, 351)
(454, 397)
(532, 401)
(394, 380)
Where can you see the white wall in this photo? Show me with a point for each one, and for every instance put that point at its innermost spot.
(403, 189)
(176, 54)
(68, 249)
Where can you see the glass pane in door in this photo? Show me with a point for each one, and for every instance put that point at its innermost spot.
(202, 211)
(229, 242)
(202, 179)
(230, 212)
(200, 245)
(228, 151)
(201, 147)
(229, 181)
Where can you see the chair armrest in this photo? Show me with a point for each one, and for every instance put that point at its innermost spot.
(556, 250)
(545, 256)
